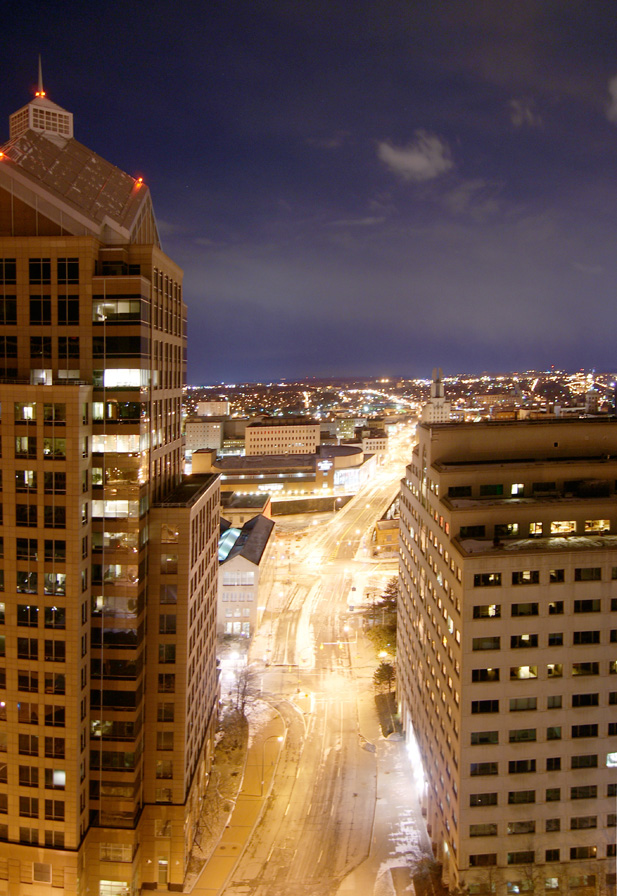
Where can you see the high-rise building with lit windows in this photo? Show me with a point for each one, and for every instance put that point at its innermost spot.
(507, 651)
(108, 682)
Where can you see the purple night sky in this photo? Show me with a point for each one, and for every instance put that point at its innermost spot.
(357, 187)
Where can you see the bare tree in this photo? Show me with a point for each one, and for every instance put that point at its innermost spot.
(244, 689)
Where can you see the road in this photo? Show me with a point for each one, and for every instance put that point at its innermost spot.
(320, 822)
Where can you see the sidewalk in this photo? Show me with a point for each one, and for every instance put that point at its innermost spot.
(399, 840)
(262, 758)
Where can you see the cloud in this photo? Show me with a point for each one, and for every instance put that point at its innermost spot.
(611, 109)
(473, 197)
(368, 221)
(424, 159)
(523, 114)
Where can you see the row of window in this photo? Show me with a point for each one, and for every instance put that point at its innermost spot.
(528, 856)
(28, 682)
(554, 608)
(28, 649)
(28, 615)
(29, 807)
(28, 714)
(554, 639)
(519, 797)
(28, 745)
(528, 766)
(519, 704)
(532, 576)
(39, 270)
(551, 826)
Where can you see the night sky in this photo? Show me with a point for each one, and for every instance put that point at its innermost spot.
(357, 188)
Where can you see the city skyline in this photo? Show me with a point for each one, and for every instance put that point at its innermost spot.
(372, 188)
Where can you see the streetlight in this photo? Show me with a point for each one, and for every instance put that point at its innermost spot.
(280, 738)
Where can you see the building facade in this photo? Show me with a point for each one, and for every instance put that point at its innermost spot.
(507, 650)
(282, 435)
(104, 757)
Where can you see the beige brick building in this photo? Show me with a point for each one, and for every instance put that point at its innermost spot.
(104, 745)
(507, 650)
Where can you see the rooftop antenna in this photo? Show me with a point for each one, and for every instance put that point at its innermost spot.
(40, 91)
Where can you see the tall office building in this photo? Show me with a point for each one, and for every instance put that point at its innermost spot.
(507, 650)
(109, 572)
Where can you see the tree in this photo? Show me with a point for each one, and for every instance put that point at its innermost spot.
(244, 688)
(384, 676)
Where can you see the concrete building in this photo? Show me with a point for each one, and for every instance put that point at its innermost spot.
(239, 509)
(105, 744)
(334, 470)
(204, 432)
(507, 650)
(213, 408)
(437, 409)
(241, 555)
(282, 435)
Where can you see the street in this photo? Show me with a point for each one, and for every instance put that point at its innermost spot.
(342, 814)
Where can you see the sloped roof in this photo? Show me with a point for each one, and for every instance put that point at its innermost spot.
(251, 541)
(77, 176)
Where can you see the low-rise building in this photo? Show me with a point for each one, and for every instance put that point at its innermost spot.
(241, 557)
(282, 435)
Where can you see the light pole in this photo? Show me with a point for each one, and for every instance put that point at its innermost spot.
(280, 738)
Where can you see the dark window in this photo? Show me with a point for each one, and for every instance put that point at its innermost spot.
(484, 706)
(482, 859)
(8, 270)
(68, 270)
(553, 794)
(584, 792)
(585, 700)
(553, 764)
(524, 609)
(520, 704)
(486, 579)
(40, 310)
(40, 347)
(587, 606)
(27, 682)
(484, 675)
(556, 575)
(68, 310)
(55, 617)
(27, 649)
(55, 517)
(472, 532)
(521, 766)
(40, 270)
(55, 482)
(588, 574)
(483, 799)
(26, 515)
(586, 760)
(459, 491)
(68, 347)
(489, 491)
(555, 608)
(8, 309)
(8, 346)
(55, 651)
(27, 615)
(551, 855)
(517, 641)
(522, 735)
(521, 796)
(486, 643)
(555, 639)
(525, 857)
(483, 737)
(478, 769)
(55, 549)
(585, 668)
(588, 637)
(526, 577)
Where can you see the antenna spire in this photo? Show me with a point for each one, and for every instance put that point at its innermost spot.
(40, 91)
